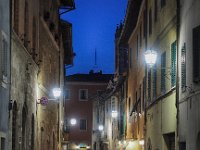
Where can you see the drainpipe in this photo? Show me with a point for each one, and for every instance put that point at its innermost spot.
(177, 60)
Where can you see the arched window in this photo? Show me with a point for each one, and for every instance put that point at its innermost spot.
(24, 118)
(198, 142)
(14, 125)
(16, 16)
(32, 132)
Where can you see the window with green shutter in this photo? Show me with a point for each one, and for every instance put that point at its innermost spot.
(196, 54)
(173, 64)
(163, 72)
(183, 67)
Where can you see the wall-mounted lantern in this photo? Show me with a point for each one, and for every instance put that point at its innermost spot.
(150, 57)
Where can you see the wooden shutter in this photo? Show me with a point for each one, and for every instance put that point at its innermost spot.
(183, 67)
(163, 71)
(173, 64)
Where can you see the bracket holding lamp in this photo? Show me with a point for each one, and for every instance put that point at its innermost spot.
(44, 100)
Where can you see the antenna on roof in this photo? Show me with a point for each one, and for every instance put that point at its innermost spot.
(95, 68)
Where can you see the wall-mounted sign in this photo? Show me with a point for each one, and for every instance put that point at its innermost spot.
(43, 101)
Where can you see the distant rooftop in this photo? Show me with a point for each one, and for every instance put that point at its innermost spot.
(91, 77)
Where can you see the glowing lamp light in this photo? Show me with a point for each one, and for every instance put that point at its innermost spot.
(87, 147)
(141, 142)
(124, 142)
(73, 121)
(100, 127)
(56, 92)
(114, 114)
(150, 57)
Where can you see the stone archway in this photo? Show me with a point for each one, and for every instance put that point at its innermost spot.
(14, 125)
(198, 142)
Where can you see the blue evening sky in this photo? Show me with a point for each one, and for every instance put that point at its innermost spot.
(93, 27)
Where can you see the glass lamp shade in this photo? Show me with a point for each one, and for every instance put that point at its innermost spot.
(114, 114)
(150, 57)
(73, 121)
(100, 127)
(56, 92)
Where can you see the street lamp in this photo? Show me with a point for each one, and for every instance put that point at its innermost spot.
(56, 92)
(150, 57)
(114, 114)
(141, 142)
(100, 127)
(73, 121)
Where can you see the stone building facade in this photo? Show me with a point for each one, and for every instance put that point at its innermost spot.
(5, 63)
(37, 66)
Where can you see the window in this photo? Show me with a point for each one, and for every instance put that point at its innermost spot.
(83, 124)
(32, 132)
(163, 72)
(129, 104)
(26, 25)
(140, 35)
(83, 94)
(67, 94)
(130, 56)
(144, 24)
(34, 36)
(144, 93)
(162, 3)
(4, 58)
(99, 92)
(137, 47)
(154, 81)
(182, 145)
(155, 10)
(150, 22)
(183, 67)
(149, 85)
(3, 142)
(196, 54)
(170, 141)
(173, 64)
(16, 16)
